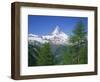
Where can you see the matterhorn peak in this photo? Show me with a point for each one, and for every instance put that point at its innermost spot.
(56, 30)
(56, 37)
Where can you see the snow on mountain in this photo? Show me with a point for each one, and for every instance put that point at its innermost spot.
(56, 31)
(32, 35)
(37, 38)
(56, 37)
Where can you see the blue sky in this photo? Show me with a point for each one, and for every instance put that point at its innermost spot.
(43, 25)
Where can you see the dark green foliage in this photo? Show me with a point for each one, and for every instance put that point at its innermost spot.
(76, 52)
(40, 55)
(45, 57)
(83, 55)
(67, 57)
(33, 52)
(79, 44)
(58, 54)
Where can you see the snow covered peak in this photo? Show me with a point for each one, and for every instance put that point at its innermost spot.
(56, 37)
(32, 35)
(56, 30)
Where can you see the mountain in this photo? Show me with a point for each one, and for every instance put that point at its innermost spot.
(57, 37)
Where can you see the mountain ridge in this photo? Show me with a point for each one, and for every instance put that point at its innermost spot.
(56, 37)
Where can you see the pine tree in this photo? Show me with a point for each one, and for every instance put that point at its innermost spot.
(45, 57)
(79, 41)
(67, 58)
(33, 52)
